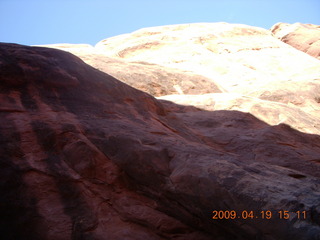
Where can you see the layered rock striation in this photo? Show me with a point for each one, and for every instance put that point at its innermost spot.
(241, 63)
(305, 37)
(86, 156)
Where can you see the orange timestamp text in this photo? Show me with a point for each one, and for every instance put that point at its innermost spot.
(282, 214)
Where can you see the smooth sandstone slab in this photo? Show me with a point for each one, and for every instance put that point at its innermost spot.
(238, 59)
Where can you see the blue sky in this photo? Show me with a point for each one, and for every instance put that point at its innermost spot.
(33, 22)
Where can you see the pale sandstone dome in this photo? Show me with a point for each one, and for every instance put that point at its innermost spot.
(305, 37)
(148, 77)
(216, 58)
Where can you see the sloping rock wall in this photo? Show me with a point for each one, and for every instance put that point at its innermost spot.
(304, 37)
(85, 156)
(238, 62)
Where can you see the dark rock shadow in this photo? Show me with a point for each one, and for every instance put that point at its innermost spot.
(130, 127)
(19, 216)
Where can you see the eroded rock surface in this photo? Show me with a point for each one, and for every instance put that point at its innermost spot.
(85, 156)
(305, 37)
(240, 60)
(151, 78)
(228, 59)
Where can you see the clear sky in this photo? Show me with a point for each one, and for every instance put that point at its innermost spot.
(33, 22)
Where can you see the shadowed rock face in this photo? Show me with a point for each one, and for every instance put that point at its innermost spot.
(85, 156)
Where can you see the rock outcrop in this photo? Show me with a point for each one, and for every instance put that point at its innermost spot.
(305, 37)
(242, 60)
(148, 77)
(86, 156)
(229, 59)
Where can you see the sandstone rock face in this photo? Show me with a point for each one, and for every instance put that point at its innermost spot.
(234, 127)
(84, 156)
(193, 59)
(305, 37)
(151, 78)
(270, 112)
(239, 59)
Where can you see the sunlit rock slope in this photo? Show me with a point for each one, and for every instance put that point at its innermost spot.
(235, 127)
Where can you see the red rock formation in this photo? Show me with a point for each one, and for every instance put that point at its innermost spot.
(305, 37)
(85, 156)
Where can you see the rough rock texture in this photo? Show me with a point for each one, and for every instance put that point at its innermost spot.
(82, 154)
(305, 37)
(86, 156)
(151, 78)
